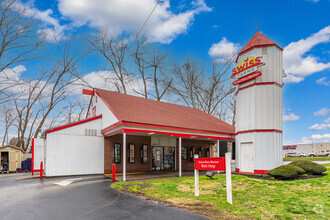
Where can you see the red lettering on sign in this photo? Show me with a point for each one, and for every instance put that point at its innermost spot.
(210, 163)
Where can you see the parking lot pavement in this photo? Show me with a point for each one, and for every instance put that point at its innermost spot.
(83, 197)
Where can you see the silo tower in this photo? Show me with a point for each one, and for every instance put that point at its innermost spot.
(259, 103)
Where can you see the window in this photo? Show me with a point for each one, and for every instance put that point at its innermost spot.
(116, 158)
(144, 153)
(184, 153)
(131, 150)
(264, 50)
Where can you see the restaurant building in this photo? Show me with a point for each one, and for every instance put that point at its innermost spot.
(139, 135)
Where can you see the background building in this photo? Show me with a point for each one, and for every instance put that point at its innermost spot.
(305, 148)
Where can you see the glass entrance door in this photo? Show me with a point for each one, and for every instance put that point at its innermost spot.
(157, 158)
(163, 158)
(169, 158)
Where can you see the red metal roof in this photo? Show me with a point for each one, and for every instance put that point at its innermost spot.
(258, 40)
(146, 111)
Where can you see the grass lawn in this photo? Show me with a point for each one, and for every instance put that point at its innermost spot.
(252, 198)
(307, 158)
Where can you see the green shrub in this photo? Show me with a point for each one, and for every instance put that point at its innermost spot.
(286, 172)
(309, 166)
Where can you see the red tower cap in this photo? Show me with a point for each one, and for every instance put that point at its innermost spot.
(257, 41)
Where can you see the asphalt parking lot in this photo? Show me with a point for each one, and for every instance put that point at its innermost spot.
(83, 197)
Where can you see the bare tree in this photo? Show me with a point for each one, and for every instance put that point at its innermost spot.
(189, 79)
(74, 110)
(19, 42)
(19, 36)
(7, 116)
(151, 64)
(214, 90)
(115, 51)
(36, 98)
(59, 78)
(204, 91)
(232, 107)
(140, 57)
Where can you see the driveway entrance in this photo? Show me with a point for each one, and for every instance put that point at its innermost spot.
(83, 197)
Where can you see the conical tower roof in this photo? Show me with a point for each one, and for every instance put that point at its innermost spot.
(258, 40)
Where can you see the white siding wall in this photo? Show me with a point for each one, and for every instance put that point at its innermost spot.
(259, 107)
(108, 118)
(80, 129)
(267, 153)
(73, 155)
(70, 152)
(39, 154)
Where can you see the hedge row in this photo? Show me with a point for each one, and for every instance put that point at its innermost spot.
(295, 169)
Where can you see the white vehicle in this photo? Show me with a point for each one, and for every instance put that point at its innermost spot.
(295, 154)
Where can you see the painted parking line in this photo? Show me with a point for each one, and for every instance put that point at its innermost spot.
(67, 182)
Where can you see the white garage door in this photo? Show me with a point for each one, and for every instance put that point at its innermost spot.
(74, 155)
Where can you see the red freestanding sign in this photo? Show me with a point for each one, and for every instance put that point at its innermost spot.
(210, 163)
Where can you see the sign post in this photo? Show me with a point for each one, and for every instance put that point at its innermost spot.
(196, 178)
(228, 178)
(214, 163)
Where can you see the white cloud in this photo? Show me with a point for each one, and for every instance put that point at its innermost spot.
(128, 16)
(12, 83)
(296, 64)
(105, 80)
(290, 117)
(322, 112)
(323, 126)
(223, 50)
(53, 27)
(323, 81)
(316, 138)
(10, 78)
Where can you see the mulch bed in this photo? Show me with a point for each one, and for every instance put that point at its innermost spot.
(294, 179)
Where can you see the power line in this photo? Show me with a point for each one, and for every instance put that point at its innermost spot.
(145, 22)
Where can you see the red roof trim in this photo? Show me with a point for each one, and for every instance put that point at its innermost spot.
(73, 124)
(114, 132)
(88, 92)
(128, 130)
(172, 127)
(112, 126)
(90, 102)
(107, 104)
(260, 130)
(259, 84)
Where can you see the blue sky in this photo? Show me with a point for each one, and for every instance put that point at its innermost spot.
(186, 28)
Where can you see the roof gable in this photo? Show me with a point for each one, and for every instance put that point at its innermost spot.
(11, 146)
(258, 40)
(141, 110)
